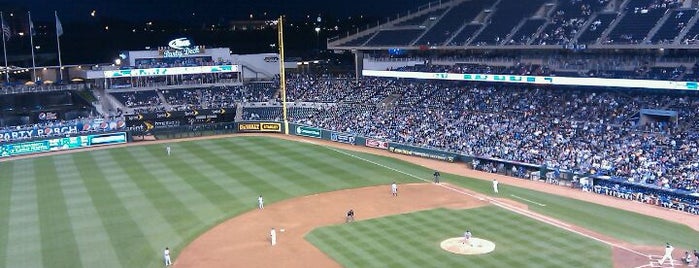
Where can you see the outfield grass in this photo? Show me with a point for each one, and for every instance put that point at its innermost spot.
(412, 240)
(120, 207)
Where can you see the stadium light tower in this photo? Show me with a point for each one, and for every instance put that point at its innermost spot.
(282, 72)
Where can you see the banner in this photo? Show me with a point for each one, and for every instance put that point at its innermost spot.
(146, 122)
(59, 144)
(376, 144)
(422, 152)
(259, 127)
(92, 125)
(311, 132)
(338, 137)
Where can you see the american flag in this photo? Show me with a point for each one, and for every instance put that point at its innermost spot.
(6, 32)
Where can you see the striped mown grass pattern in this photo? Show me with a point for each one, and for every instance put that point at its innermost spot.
(120, 207)
(412, 240)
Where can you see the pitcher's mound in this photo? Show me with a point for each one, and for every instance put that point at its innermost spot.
(476, 246)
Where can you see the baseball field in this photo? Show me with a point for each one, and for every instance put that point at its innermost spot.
(120, 207)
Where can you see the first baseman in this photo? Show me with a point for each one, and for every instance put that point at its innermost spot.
(394, 189)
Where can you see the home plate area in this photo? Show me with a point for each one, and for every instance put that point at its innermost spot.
(474, 246)
(654, 261)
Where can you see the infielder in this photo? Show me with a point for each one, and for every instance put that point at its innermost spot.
(260, 203)
(436, 177)
(350, 216)
(394, 189)
(668, 255)
(166, 256)
(168, 150)
(495, 186)
(273, 236)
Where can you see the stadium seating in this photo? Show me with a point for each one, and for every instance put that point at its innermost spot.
(477, 23)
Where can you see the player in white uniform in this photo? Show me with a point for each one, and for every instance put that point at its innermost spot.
(668, 255)
(495, 186)
(394, 189)
(260, 203)
(467, 237)
(273, 236)
(168, 150)
(166, 256)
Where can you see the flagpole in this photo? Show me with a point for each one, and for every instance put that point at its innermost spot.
(31, 39)
(58, 41)
(4, 49)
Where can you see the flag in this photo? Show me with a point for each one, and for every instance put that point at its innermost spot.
(31, 27)
(59, 26)
(6, 32)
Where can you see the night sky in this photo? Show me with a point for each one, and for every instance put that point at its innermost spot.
(138, 10)
(119, 25)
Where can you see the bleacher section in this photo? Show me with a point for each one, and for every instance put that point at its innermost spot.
(508, 13)
(636, 22)
(394, 37)
(598, 25)
(676, 21)
(582, 24)
(526, 33)
(567, 20)
(448, 26)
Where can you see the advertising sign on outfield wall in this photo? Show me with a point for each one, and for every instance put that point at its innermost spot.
(260, 127)
(311, 132)
(376, 144)
(339, 137)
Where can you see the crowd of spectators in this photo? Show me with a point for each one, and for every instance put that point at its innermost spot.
(592, 131)
(182, 99)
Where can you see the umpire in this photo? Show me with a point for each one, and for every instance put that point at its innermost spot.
(436, 176)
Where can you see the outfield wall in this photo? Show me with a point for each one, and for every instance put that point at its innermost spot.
(62, 143)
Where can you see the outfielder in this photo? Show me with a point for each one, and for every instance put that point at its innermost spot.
(166, 256)
(168, 150)
(668, 255)
(495, 186)
(260, 203)
(394, 189)
(436, 177)
(273, 236)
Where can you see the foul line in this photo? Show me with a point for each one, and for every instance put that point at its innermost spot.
(500, 204)
(527, 200)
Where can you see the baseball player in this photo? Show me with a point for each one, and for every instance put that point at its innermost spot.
(273, 236)
(166, 256)
(436, 177)
(696, 256)
(168, 150)
(350, 216)
(495, 186)
(394, 189)
(467, 237)
(668, 255)
(260, 202)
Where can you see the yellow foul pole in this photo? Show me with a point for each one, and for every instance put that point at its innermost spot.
(282, 76)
